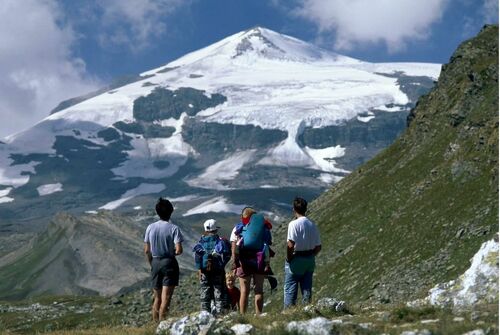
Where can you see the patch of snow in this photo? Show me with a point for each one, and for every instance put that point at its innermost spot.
(268, 186)
(5, 192)
(288, 152)
(409, 69)
(49, 189)
(105, 109)
(39, 138)
(145, 151)
(137, 208)
(91, 212)
(323, 158)
(92, 147)
(216, 205)
(226, 169)
(184, 198)
(384, 108)
(142, 189)
(328, 178)
(6, 199)
(14, 175)
(365, 118)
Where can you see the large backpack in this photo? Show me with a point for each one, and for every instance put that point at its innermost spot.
(254, 233)
(212, 253)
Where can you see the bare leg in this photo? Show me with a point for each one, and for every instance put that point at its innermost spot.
(156, 305)
(259, 293)
(166, 297)
(245, 291)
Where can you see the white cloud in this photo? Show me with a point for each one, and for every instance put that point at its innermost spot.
(478, 15)
(135, 23)
(490, 11)
(36, 65)
(356, 22)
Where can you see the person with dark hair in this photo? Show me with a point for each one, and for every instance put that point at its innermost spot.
(303, 244)
(162, 243)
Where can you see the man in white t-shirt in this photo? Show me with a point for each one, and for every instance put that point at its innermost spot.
(303, 244)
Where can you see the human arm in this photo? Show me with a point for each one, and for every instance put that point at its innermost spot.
(233, 255)
(317, 249)
(178, 249)
(290, 247)
(147, 246)
(290, 244)
(178, 239)
(268, 238)
(147, 252)
(233, 239)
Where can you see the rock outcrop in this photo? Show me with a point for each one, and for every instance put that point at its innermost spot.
(478, 285)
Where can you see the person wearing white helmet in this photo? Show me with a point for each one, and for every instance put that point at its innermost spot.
(211, 254)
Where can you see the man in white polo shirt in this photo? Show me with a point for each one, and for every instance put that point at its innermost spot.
(303, 244)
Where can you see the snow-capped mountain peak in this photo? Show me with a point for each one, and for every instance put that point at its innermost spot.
(269, 44)
(257, 109)
(261, 43)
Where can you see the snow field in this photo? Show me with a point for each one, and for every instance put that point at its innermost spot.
(49, 189)
(142, 189)
(216, 205)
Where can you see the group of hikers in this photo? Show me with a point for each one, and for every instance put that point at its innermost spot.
(248, 252)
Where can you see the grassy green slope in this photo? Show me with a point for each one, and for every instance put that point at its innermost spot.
(414, 215)
(22, 277)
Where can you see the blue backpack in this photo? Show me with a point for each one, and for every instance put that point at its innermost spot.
(254, 233)
(211, 253)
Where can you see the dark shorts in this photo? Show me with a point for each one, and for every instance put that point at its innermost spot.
(251, 262)
(164, 272)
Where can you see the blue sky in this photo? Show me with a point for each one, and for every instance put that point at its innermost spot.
(51, 50)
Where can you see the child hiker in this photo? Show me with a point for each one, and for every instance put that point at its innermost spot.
(211, 255)
(232, 291)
